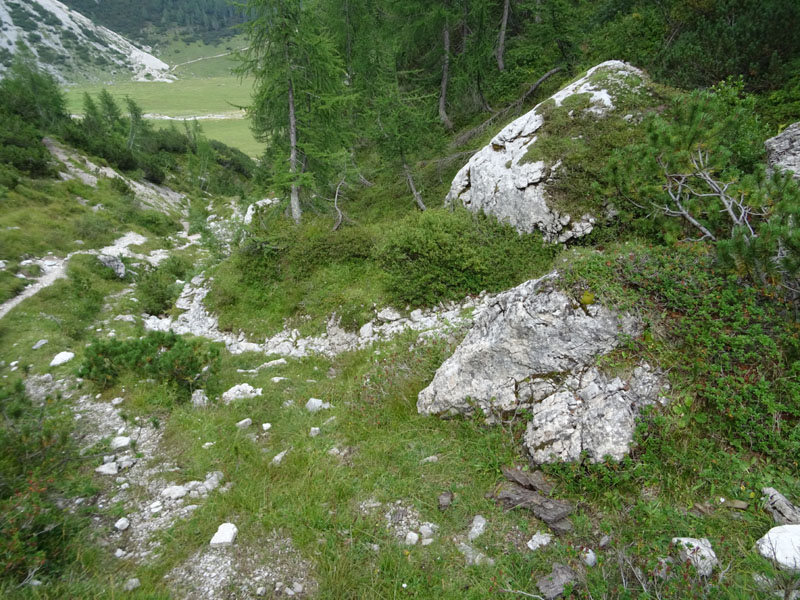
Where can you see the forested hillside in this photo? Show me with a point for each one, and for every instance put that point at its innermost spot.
(508, 307)
(209, 20)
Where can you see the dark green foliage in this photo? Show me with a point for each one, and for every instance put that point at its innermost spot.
(181, 364)
(36, 536)
(211, 20)
(736, 348)
(156, 286)
(440, 255)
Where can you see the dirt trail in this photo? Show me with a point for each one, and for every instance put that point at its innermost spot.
(54, 268)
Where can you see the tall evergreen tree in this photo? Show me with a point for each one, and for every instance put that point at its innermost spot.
(301, 101)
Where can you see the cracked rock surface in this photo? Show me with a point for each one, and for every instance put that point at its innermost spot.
(535, 349)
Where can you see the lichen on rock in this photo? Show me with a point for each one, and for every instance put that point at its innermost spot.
(530, 174)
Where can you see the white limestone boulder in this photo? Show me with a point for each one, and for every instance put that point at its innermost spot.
(503, 180)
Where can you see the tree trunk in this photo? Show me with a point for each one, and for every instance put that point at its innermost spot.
(295, 197)
(410, 180)
(445, 78)
(501, 44)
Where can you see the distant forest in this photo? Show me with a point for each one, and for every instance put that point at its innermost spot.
(209, 20)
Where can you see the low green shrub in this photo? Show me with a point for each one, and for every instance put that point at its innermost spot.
(184, 365)
(35, 445)
(440, 255)
(733, 349)
(157, 288)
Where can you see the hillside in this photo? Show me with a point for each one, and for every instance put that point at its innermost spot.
(508, 307)
(209, 20)
(71, 46)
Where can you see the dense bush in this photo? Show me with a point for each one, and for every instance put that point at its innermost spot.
(184, 365)
(35, 446)
(157, 287)
(733, 349)
(441, 255)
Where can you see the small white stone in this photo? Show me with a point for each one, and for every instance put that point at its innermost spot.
(122, 524)
(116, 401)
(478, 527)
(62, 358)
(208, 445)
(108, 469)
(39, 344)
(539, 540)
(297, 587)
(261, 591)
(277, 379)
(174, 492)
(119, 553)
(119, 442)
(429, 459)
(199, 398)
(225, 536)
(109, 458)
(279, 457)
(588, 557)
(314, 432)
(244, 423)
(131, 584)
(426, 530)
(266, 426)
(412, 538)
(427, 541)
(315, 404)
(698, 552)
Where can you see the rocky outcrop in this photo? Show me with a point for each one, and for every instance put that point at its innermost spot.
(783, 150)
(534, 349)
(504, 181)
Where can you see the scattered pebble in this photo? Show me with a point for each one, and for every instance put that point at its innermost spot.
(244, 423)
(39, 344)
(279, 457)
(314, 432)
(266, 426)
(131, 584)
(120, 442)
(412, 538)
(429, 459)
(122, 524)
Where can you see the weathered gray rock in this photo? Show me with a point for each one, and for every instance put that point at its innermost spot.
(782, 545)
(199, 398)
(241, 392)
(131, 584)
(114, 263)
(474, 557)
(783, 150)
(315, 405)
(108, 469)
(500, 181)
(122, 524)
(776, 504)
(553, 585)
(120, 442)
(698, 552)
(477, 529)
(39, 344)
(590, 412)
(534, 349)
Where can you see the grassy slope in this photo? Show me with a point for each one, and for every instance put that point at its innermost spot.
(206, 87)
(680, 460)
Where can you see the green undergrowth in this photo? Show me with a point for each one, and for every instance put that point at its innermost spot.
(306, 273)
(578, 143)
(732, 349)
(40, 216)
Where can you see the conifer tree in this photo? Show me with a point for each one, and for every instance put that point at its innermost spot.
(301, 101)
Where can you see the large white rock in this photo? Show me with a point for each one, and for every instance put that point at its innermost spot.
(225, 536)
(782, 545)
(498, 181)
(534, 349)
(698, 552)
(783, 150)
(119, 442)
(62, 358)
